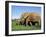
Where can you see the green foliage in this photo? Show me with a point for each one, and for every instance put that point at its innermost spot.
(17, 27)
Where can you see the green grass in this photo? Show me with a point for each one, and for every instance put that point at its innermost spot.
(16, 27)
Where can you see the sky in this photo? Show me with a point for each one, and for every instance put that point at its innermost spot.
(16, 11)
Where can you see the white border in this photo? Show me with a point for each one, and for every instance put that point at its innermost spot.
(29, 31)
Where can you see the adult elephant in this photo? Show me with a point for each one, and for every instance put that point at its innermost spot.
(30, 19)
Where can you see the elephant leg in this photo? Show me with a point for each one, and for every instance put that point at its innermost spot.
(33, 23)
(26, 22)
(30, 23)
